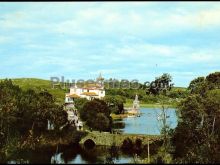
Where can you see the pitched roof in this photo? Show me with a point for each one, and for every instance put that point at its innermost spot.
(92, 86)
(89, 94)
(74, 95)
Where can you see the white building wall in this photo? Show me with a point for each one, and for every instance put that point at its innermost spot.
(72, 90)
(79, 91)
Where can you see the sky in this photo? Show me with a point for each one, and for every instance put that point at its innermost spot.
(122, 40)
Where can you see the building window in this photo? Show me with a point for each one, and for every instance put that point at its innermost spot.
(87, 90)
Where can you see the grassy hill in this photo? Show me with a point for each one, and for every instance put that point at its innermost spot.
(40, 84)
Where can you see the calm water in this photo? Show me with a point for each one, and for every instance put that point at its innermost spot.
(74, 154)
(147, 123)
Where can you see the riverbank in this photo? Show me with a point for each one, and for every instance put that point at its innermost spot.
(119, 116)
(154, 105)
(143, 105)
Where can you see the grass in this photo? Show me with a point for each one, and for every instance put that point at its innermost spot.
(118, 116)
(170, 103)
(39, 85)
(150, 105)
(178, 88)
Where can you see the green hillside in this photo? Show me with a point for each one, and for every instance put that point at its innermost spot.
(40, 84)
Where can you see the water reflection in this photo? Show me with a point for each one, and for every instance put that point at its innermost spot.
(74, 154)
(99, 154)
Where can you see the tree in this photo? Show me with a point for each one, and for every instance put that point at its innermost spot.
(196, 136)
(115, 103)
(213, 80)
(198, 86)
(94, 111)
(166, 148)
(160, 84)
(101, 122)
(24, 114)
(202, 84)
(79, 103)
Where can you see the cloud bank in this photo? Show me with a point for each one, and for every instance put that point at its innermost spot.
(133, 40)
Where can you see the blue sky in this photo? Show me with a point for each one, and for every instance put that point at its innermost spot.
(123, 40)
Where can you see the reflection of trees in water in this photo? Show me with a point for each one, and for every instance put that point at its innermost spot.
(94, 155)
(118, 125)
(113, 154)
(42, 155)
(137, 150)
(99, 154)
(70, 152)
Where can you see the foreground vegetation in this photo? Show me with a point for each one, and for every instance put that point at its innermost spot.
(24, 117)
(197, 135)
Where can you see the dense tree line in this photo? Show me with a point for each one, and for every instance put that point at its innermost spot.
(25, 113)
(150, 92)
(197, 135)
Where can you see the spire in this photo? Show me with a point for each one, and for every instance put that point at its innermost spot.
(100, 78)
(136, 102)
(100, 75)
(136, 97)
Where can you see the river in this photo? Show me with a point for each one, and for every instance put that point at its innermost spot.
(147, 123)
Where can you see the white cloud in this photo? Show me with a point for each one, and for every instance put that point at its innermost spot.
(101, 20)
(202, 57)
(4, 39)
(208, 18)
(115, 18)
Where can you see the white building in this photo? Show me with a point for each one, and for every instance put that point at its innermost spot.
(88, 91)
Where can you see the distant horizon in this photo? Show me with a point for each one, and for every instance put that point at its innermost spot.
(126, 40)
(69, 78)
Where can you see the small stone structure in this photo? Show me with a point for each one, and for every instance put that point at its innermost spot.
(108, 139)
